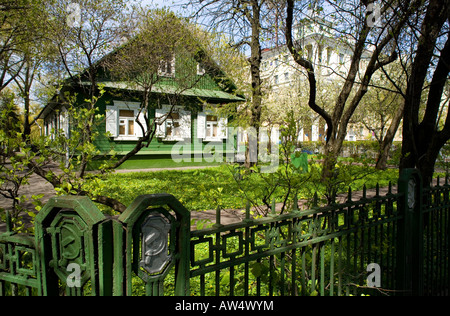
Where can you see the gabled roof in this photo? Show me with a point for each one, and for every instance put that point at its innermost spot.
(224, 90)
(167, 89)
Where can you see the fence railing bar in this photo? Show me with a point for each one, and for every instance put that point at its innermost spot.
(294, 214)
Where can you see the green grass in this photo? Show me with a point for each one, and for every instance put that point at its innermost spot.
(205, 189)
(188, 186)
(142, 163)
(163, 163)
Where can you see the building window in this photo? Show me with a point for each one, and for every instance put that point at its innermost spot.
(173, 123)
(173, 126)
(320, 54)
(167, 67)
(212, 126)
(122, 118)
(201, 69)
(329, 55)
(264, 65)
(126, 123)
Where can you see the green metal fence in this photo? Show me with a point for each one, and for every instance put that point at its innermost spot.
(434, 256)
(324, 251)
(393, 244)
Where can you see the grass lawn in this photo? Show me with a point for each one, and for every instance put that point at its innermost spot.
(142, 163)
(205, 189)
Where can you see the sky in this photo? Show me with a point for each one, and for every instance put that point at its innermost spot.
(174, 5)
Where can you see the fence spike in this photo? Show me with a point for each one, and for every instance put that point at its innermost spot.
(295, 202)
(218, 219)
(247, 211)
(274, 207)
(377, 190)
(438, 181)
(364, 192)
(349, 194)
(8, 222)
(315, 200)
(390, 187)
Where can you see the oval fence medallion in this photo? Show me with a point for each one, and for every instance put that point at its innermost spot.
(155, 241)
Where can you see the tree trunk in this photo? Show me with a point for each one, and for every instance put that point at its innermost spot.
(331, 152)
(423, 141)
(255, 69)
(386, 144)
(428, 165)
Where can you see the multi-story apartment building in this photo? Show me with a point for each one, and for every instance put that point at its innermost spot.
(331, 56)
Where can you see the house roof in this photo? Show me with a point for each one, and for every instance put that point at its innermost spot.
(161, 89)
(223, 90)
(168, 89)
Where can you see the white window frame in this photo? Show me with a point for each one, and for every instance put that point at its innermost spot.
(210, 129)
(204, 126)
(165, 122)
(113, 120)
(176, 131)
(126, 123)
(162, 71)
(64, 123)
(201, 71)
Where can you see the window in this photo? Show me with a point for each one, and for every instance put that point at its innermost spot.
(212, 126)
(121, 120)
(173, 126)
(173, 123)
(309, 50)
(320, 53)
(126, 123)
(329, 55)
(201, 69)
(264, 65)
(286, 76)
(167, 67)
(51, 124)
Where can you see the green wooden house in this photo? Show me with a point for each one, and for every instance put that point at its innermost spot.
(192, 122)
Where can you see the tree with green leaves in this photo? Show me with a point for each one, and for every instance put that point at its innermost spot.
(354, 23)
(245, 22)
(164, 41)
(381, 109)
(100, 44)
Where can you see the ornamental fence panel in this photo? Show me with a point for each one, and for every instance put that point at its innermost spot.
(392, 244)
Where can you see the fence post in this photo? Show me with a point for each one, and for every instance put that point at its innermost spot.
(410, 233)
(155, 235)
(73, 238)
